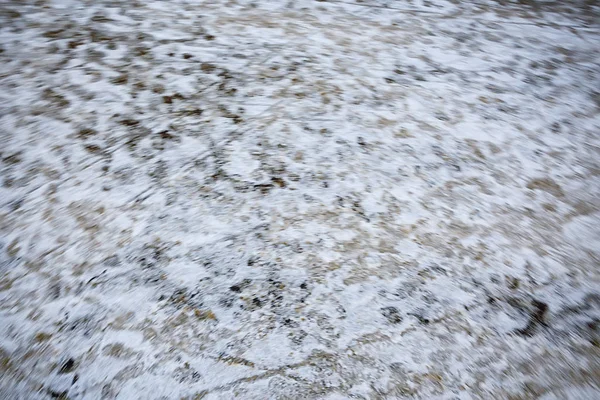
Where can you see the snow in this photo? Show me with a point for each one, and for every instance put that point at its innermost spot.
(308, 199)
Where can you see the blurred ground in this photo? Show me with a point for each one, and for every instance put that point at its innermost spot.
(312, 199)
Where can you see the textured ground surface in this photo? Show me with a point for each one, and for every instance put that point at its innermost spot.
(314, 199)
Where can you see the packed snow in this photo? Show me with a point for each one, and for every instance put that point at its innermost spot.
(302, 199)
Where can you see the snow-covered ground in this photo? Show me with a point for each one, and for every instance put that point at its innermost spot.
(305, 199)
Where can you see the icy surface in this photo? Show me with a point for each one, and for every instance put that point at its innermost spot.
(306, 199)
